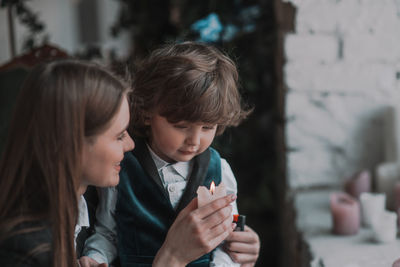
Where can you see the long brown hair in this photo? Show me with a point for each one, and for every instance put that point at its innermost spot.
(61, 103)
(189, 81)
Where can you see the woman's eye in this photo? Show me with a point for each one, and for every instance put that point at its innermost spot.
(180, 126)
(122, 136)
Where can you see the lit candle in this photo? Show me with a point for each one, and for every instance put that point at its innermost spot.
(384, 228)
(372, 205)
(205, 196)
(360, 182)
(345, 212)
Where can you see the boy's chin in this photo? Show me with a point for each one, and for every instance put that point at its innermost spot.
(185, 158)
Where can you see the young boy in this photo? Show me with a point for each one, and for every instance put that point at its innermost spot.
(184, 95)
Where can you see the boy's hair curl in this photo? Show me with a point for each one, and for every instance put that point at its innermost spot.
(190, 81)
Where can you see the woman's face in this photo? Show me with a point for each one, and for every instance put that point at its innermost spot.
(102, 155)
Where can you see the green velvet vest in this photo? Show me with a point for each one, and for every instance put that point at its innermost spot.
(144, 212)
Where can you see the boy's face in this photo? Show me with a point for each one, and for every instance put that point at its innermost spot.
(179, 141)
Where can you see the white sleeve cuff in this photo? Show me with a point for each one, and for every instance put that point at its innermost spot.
(98, 257)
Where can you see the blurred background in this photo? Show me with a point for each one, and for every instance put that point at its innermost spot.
(322, 76)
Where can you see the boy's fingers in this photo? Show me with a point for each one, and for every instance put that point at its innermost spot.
(244, 237)
(247, 236)
(241, 247)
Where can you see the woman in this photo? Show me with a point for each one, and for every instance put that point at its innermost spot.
(69, 131)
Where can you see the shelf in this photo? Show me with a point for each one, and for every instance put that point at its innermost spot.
(329, 250)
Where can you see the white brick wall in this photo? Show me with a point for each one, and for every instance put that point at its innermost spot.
(342, 68)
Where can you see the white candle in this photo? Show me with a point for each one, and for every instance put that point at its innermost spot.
(397, 197)
(205, 196)
(385, 227)
(387, 175)
(392, 133)
(372, 205)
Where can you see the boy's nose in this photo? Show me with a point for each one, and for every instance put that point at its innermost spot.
(193, 139)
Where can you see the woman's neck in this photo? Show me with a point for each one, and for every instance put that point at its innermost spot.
(81, 190)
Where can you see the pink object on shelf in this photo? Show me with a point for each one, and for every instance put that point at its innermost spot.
(360, 182)
(345, 211)
(396, 263)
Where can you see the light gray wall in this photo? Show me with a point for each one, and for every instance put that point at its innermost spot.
(342, 73)
(65, 26)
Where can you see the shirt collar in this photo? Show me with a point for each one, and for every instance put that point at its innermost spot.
(83, 217)
(181, 167)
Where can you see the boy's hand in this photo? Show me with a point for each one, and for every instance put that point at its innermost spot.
(196, 231)
(86, 261)
(243, 247)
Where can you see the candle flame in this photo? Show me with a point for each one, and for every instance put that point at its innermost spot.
(212, 188)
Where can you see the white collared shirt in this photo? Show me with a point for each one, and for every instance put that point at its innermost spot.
(173, 176)
(83, 217)
(102, 246)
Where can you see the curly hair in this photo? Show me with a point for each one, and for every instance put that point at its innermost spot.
(190, 81)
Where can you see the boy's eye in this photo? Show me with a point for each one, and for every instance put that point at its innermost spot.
(209, 127)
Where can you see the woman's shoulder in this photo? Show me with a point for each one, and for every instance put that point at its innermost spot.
(28, 245)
